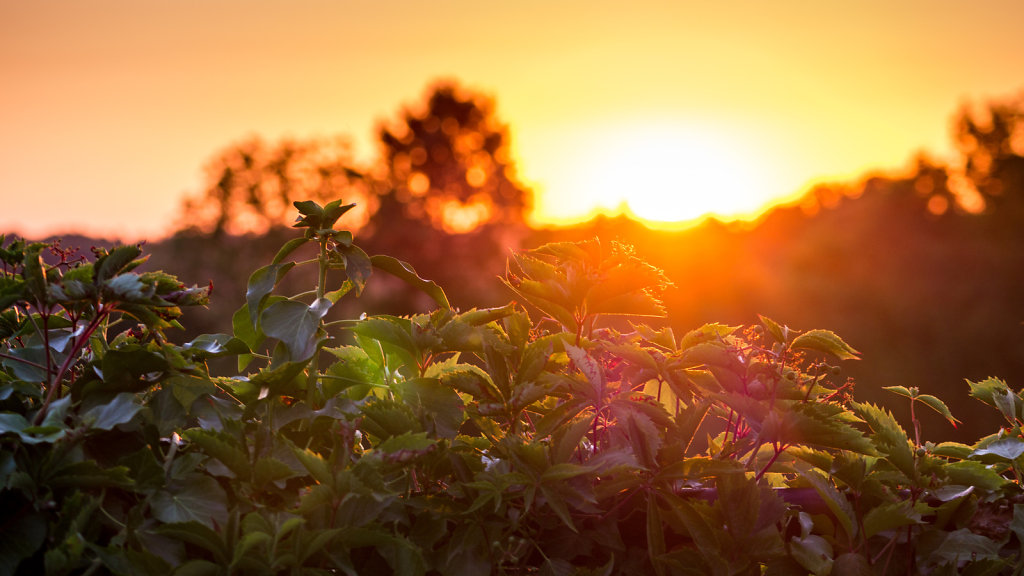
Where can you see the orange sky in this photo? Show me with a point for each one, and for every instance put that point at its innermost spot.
(110, 108)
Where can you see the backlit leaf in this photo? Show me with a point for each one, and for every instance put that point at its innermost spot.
(827, 342)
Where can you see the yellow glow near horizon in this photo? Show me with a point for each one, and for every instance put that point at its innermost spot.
(668, 175)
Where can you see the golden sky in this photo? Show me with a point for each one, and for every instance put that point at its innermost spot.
(110, 108)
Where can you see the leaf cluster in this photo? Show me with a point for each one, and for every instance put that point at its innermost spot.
(567, 432)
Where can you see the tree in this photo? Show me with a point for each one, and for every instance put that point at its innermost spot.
(992, 145)
(448, 164)
(250, 186)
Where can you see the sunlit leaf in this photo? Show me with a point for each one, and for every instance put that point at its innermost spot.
(939, 406)
(827, 342)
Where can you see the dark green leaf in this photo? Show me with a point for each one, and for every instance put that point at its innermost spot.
(358, 265)
(120, 410)
(405, 271)
(261, 284)
(289, 247)
(295, 325)
(195, 497)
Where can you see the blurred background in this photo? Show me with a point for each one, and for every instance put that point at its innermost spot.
(856, 170)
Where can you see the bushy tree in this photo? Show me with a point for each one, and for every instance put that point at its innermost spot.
(250, 185)
(448, 163)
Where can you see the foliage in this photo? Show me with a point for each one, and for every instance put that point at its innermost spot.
(567, 432)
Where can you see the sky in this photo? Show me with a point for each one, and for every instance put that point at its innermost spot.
(109, 109)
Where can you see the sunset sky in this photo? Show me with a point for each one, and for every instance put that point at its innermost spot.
(110, 108)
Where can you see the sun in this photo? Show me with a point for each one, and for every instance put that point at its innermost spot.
(666, 174)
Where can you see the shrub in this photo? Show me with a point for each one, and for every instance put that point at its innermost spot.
(562, 433)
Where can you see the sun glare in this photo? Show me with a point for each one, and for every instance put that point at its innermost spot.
(664, 175)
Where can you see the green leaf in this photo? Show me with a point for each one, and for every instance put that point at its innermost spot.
(964, 545)
(223, 447)
(106, 416)
(986, 389)
(406, 447)
(827, 342)
(813, 553)
(714, 332)
(193, 498)
(88, 474)
(316, 465)
(216, 345)
(443, 410)
(779, 332)
(939, 406)
(295, 325)
(889, 516)
(358, 266)
(1005, 449)
(115, 262)
(900, 391)
(22, 533)
(974, 473)
(27, 364)
(198, 534)
(404, 271)
(589, 367)
(833, 498)
(262, 283)
(852, 564)
(889, 438)
(289, 247)
(12, 422)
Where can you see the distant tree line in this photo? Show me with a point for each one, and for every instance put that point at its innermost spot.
(923, 272)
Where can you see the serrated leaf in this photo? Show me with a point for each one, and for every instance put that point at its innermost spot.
(268, 470)
(589, 367)
(973, 473)
(223, 447)
(900, 391)
(316, 465)
(442, 406)
(779, 332)
(939, 406)
(889, 516)
(889, 438)
(198, 534)
(827, 342)
(707, 333)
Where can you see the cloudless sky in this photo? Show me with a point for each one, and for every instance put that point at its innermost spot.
(109, 109)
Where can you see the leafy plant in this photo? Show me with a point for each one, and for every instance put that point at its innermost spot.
(567, 432)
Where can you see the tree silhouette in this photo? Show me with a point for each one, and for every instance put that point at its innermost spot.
(250, 186)
(448, 164)
(992, 144)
